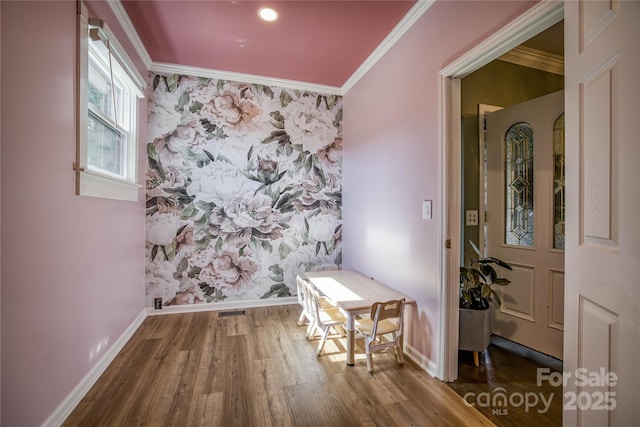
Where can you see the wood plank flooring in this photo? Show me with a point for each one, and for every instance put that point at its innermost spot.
(257, 369)
(513, 368)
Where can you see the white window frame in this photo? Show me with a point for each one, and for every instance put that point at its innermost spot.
(91, 181)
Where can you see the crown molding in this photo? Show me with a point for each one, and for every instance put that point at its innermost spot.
(164, 68)
(534, 58)
(402, 27)
(125, 22)
(398, 31)
(540, 17)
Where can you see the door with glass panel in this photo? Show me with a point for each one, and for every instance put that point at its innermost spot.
(525, 219)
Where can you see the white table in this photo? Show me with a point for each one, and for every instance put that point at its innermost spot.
(354, 294)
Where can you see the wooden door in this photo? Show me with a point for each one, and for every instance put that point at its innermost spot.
(525, 227)
(602, 318)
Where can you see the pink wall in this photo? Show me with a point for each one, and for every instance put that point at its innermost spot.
(390, 157)
(72, 267)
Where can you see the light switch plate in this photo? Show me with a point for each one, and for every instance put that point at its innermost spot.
(426, 209)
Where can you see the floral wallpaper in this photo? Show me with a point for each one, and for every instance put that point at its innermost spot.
(243, 190)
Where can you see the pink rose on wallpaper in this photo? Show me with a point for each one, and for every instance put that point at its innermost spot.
(235, 111)
(227, 269)
(192, 294)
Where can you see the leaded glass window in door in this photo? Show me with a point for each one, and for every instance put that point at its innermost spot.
(558, 183)
(519, 217)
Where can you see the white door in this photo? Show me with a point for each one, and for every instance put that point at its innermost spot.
(602, 315)
(525, 219)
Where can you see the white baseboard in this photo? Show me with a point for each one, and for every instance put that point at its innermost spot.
(225, 305)
(421, 360)
(73, 399)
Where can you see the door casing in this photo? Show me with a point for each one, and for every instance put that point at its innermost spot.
(535, 20)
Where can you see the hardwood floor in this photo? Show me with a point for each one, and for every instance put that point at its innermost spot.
(513, 368)
(258, 369)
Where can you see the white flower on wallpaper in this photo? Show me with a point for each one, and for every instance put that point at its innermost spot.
(244, 188)
(308, 124)
(161, 282)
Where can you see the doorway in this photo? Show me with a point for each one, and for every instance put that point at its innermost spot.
(537, 19)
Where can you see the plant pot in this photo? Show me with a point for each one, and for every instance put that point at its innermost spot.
(475, 329)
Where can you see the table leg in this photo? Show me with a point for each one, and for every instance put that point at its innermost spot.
(351, 339)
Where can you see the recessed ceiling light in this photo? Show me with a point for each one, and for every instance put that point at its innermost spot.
(268, 14)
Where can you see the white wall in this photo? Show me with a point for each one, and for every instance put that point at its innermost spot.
(390, 157)
(72, 267)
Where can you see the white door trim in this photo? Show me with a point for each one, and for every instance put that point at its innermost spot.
(538, 18)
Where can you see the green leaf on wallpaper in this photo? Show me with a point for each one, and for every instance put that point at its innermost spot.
(196, 106)
(156, 81)
(266, 245)
(172, 82)
(299, 147)
(184, 100)
(267, 91)
(222, 158)
(243, 92)
(205, 206)
(156, 166)
(170, 249)
(209, 155)
(331, 101)
(188, 211)
(250, 176)
(308, 164)
(298, 93)
(208, 126)
(250, 153)
(299, 161)
(280, 290)
(182, 267)
(285, 204)
(288, 149)
(219, 243)
(202, 223)
(306, 224)
(318, 246)
(285, 98)
(320, 174)
(220, 84)
(154, 252)
(203, 243)
(319, 101)
(276, 269)
(339, 258)
(336, 123)
(284, 250)
(194, 272)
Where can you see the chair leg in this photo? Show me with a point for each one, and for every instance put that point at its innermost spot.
(475, 358)
(301, 319)
(399, 355)
(311, 329)
(325, 333)
(369, 362)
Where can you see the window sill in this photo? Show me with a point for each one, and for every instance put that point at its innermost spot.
(93, 184)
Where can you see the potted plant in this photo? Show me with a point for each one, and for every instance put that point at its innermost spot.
(476, 295)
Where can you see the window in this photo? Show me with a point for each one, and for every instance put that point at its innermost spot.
(519, 224)
(109, 90)
(558, 183)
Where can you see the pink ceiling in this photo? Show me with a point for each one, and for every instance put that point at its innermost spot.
(321, 42)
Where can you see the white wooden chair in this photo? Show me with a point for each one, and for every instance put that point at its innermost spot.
(302, 300)
(325, 319)
(386, 318)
